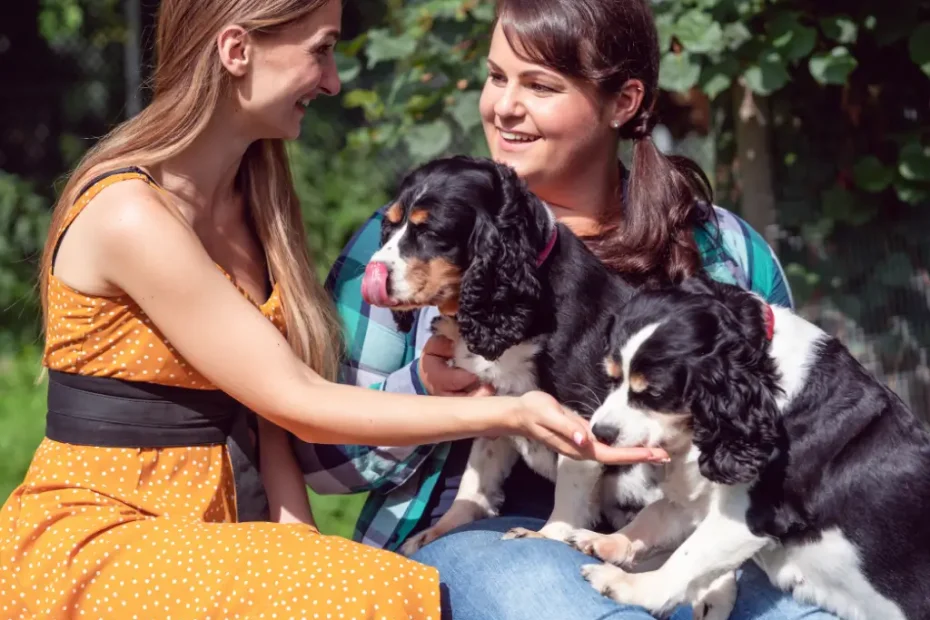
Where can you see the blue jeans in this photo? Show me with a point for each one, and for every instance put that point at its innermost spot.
(534, 579)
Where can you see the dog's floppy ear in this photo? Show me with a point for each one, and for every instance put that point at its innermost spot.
(746, 307)
(501, 285)
(731, 393)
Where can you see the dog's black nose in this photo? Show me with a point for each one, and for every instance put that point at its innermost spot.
(605, 433)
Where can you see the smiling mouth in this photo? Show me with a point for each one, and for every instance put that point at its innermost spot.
(516, 136)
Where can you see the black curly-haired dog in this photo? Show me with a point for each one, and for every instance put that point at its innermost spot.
(527, 305)
(784, 450)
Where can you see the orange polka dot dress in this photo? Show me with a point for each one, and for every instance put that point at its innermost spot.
(138, 533)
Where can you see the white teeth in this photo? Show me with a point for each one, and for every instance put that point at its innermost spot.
(517, 137)
(304, 102)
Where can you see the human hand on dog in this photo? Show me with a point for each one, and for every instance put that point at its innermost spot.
(563, 430)
(440, 379)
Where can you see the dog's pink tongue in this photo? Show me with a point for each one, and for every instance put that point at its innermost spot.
(374, 285)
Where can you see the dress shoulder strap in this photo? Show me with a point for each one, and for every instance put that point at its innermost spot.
(94, 187)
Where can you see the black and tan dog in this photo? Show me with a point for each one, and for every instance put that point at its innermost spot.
(528, 307)
(785, 450)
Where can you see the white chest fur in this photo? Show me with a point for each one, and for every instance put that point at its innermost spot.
(513, 373)
(828, 573)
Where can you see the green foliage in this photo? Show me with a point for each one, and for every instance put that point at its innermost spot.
(23, 223)
(848, 86)
(22, 415)
(420, 87)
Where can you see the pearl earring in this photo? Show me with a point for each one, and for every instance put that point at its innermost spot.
(615, 124)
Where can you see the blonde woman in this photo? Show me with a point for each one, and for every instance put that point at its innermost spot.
(177, 289)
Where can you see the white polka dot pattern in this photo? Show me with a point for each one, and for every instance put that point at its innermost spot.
(112, 336)
(145, 533)
(150, 533)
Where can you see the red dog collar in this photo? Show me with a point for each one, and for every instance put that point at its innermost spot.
(548, 249)
(769, 315)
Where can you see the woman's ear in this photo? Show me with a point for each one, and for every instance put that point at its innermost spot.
(626, 103)
(234, 46)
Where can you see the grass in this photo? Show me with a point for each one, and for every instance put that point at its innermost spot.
(22, 416)
(22, 426)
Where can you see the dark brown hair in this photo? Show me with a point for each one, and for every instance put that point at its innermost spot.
(607, 43)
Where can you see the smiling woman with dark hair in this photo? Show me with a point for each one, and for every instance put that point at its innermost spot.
(567, 81)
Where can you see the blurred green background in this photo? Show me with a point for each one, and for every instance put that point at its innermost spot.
(810, 116)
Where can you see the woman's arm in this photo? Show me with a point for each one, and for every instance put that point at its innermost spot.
(737, 254)
(380, 357)
(284, 484)
(147, 252)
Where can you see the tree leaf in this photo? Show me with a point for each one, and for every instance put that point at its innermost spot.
(383, 46)
(840, 28)
(833, 67)
(792, 40)
(767, 75)
(914, 162)
(678, 72)
(483, 12)
(665, 25)
(347, 67)
(428, 140)
(912, 192)
(698, 32)
(871, 175)
(919, 47)
(735, 35)
(718, 77)
(465, 110)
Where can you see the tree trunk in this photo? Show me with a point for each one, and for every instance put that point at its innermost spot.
(754, 163)
(132, 57)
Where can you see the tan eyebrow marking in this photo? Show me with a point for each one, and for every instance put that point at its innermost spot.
(613, 368)
(638, 383)
(395, 213)
(418, 216)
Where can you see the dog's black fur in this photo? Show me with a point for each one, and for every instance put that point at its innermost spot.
(482, 218)
(843, 452)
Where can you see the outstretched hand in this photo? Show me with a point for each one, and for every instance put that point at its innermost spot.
(563, 430)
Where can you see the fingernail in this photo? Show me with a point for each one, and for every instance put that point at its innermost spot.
(578, 437)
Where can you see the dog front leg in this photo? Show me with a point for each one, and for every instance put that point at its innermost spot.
(659, 526)
(577, 501)
(479, 494)
(721, 543)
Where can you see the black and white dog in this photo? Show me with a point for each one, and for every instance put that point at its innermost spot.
(784, 450)
(527, 305)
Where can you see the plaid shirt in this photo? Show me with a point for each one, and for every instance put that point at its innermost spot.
(401, 480)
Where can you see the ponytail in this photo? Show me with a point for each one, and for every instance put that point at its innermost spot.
(666, 197)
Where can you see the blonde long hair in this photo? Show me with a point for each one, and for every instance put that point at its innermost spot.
(189, 82)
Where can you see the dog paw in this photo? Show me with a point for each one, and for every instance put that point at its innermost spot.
(716, 601)
(614, 548)
(420, 540)
(520, 532)
(610, 581)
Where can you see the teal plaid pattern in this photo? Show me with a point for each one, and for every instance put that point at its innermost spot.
(401, 480)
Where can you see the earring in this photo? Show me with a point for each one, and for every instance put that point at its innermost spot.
(615, 124)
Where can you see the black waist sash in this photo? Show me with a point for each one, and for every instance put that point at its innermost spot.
(112, 413)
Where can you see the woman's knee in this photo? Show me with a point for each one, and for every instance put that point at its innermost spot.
(488, 577)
